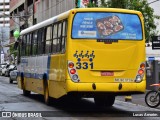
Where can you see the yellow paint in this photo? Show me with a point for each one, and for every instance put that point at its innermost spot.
(56, 89)
(35, 85)
(122, 58)
(106, 87)
(128, 97)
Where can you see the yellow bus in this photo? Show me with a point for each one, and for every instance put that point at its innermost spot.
(85, 52)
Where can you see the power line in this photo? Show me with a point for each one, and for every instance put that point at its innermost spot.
(153, 1)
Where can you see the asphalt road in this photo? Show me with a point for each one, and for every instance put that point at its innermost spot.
(21, 107)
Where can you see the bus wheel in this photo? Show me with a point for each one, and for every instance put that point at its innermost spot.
(47, 99)
(104, 101)
(10, 80)
(26, 92)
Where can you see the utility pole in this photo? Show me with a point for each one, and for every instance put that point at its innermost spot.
(33, 12)
(1, 39)
(26, 13)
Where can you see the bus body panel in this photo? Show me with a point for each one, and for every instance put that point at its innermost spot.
(33, 69)
(123, 59)
(53, 65)
(57, 75)
(127, 88)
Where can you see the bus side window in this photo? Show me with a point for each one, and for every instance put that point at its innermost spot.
(28, 47)
(34, 46)
(64, 35)
(25, 44)
(48, 39)
(19, 50)
(54, 44)
(40, 47)
(22, 46)
(31, 39)
(59, 40)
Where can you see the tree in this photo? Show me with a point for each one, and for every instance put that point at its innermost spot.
(140, 5)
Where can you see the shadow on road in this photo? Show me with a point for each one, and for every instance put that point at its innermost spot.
(81, 107)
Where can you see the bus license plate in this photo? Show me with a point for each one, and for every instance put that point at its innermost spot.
(107, 73)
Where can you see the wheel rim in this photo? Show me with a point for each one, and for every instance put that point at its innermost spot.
(152, 99)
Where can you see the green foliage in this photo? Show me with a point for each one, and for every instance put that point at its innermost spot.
(91, 5)
(13, 51)
(140, 5)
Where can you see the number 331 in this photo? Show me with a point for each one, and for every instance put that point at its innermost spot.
(84, 65)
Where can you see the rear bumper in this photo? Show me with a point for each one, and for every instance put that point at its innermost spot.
(127, 88)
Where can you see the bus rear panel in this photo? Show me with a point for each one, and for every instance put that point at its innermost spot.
(106, 52)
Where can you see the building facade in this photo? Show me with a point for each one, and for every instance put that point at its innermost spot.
(45, 9)
(4, 29)
(25, 13)
(4, 13)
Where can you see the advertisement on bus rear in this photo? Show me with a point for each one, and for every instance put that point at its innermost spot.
(107, 26)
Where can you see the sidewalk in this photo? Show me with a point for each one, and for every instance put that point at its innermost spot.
(136, 99)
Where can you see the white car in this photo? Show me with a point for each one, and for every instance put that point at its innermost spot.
(1, 67)
(13, 76)
(4, 69)
(9, 69)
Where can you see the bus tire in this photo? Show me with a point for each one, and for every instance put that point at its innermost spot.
(25, 92)
(47, 99)
(10, 81)
(104, 101)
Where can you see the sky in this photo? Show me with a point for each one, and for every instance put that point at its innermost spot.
(156, 7)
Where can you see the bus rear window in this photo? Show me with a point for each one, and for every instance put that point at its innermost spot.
(96, 25)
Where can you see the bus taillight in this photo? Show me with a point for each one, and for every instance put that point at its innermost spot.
(73, 72)
(142, 66)
(140, 73)
(71, 65)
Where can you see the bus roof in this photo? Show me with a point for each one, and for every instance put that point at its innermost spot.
(45, 23)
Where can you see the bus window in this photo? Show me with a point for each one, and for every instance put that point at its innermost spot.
(107, 25)
(31, 39)
(64, 31)
(54, 38)
(59, 37)
(24, 44)
(39, 42)
(48, 39)
(28, 47)
(34, 48)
